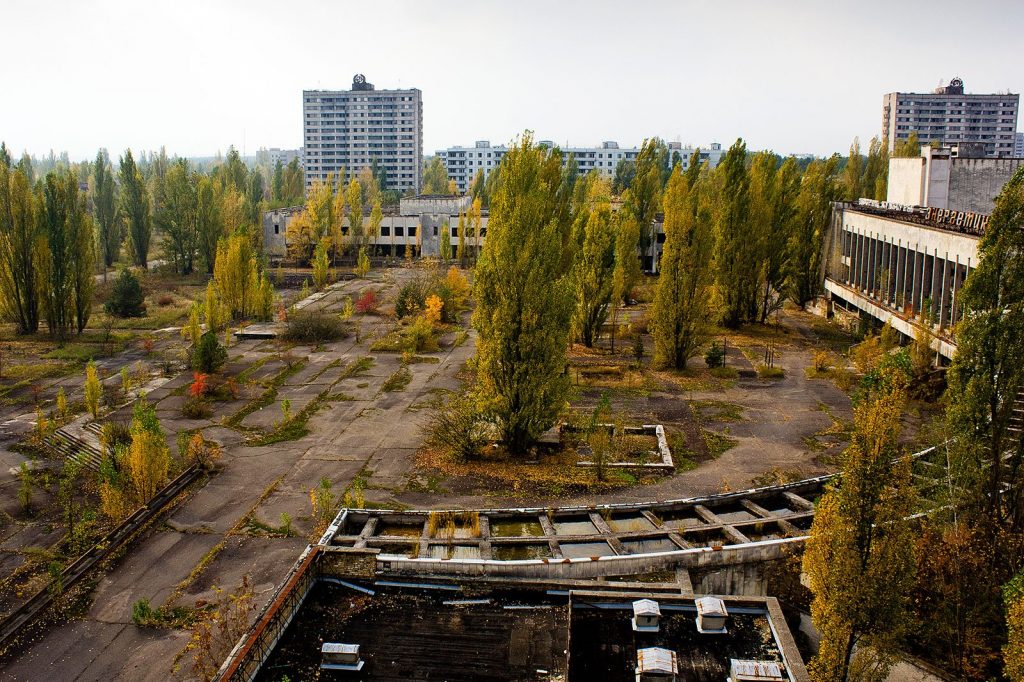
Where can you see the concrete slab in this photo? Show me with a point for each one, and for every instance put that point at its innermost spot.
(152, 570)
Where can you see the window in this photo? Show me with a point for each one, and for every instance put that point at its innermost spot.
(399, 231)
(385, 231)
(435, 230)
(277, 229)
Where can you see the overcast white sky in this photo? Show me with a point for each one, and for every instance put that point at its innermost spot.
(199, 75)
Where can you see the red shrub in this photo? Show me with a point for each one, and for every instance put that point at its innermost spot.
(367, 303)
(200, 385)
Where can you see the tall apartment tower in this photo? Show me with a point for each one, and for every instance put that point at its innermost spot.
(950, 117)
(358, 128)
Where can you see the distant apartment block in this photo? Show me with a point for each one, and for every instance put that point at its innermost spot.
(353, 129)
(463, 163)
(285, 156)
(1018, 146)
(950, 117)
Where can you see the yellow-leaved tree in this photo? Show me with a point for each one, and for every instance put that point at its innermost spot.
(859, 558)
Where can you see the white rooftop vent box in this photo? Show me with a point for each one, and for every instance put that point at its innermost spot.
(336, 656)
(711, 616)
(646, 615)
(655, 664)
(755, 671)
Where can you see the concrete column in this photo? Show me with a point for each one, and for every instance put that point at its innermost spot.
(872, 267)
(953, 317)
(943, 318)
(900, 274)
(912, 293)
(864, 262)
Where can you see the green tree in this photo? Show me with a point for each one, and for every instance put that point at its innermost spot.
(105, 209)
(818, 190)
(178, 217)
(135, 209)
(478, 190)
(126, 296)
(209, 355)
(376, 217)
(277, 183)
(524, 299)
(627, 261)
(22, 247)
(93, 390)
(594, 266)
(683, 306)
(293, 185)
(859, 557)
(909, 148)
(208, 222)
(735, 253)
(642, 200)
(853, 174)
(435, 177)
(355, 213)
(876, 170)
(67, 230)
(625, 171)
(446, 242)
(775, 236)
(321, 265)
(986, 377)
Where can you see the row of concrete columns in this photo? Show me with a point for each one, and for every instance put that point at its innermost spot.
(915, 282)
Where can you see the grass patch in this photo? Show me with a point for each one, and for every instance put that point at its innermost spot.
(766, 372)
(397, 381)
(777, 476)
(268, 396)
(717, 443)
(460, 338)
(82, 352)
(717, 410)
(357, 368)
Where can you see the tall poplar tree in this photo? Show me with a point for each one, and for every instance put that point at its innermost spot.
(594, 266)
(68, 270)
(105, 209)
(135, 209)
(178, 217)
(21, 249)
(208, 222)
(853, 174)
(818, 189)
(734, 249)
(524, 299)
(683, 306)
(355, 212)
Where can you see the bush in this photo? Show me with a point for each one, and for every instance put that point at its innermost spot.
(196, 408)
(367, 302)
(411, 298)
(458, 429)
(314, 326)
(115, 435)
(209, 356)
(822, 362)
(766, 372)
(165, 300)
(715, 356)
(126, 298)
(419, 336)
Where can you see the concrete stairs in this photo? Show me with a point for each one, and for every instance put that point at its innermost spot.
(79, 441)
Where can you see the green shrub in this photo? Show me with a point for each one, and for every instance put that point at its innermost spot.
(196, 408)
(126, 298)
(209, 355)
(314, 326)
(419, 336)
(411, 298)
(715, 356)
(766, 372)
(459, 429)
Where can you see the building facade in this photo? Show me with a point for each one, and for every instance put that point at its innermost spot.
(463, 163)
(1018, 146)
(362, 127)
(950, 117)
(950, 178)
(285, 156)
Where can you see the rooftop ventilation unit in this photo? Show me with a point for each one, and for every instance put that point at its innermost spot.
(335, 656)
(655, 664)
(646, 614)
(711, 616)
(755, 671)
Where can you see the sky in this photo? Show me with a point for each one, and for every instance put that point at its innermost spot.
(199, 75)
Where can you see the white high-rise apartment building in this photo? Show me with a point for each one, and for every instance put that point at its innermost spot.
(463, 163)
(353, 129)
(1018, 146)
(950, 117)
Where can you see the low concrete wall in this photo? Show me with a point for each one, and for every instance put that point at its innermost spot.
(595, 567)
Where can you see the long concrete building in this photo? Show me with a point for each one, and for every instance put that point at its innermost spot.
(949, 116)
(904, 261)
(357, 128)
(463, 163)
